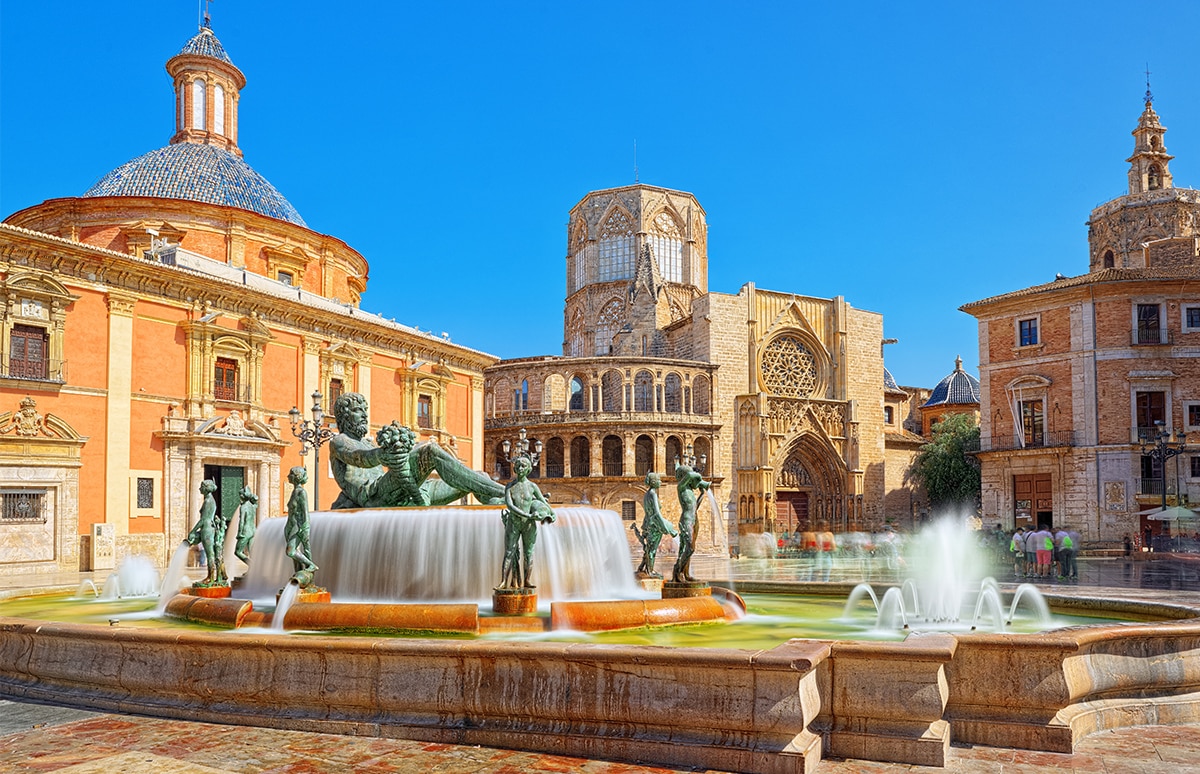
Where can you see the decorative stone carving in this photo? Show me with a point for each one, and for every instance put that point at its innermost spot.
(1114, 495)
(234, 426)
(27, 422)
(789, 368)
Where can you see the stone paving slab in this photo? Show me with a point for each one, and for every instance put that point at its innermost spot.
(97, 743)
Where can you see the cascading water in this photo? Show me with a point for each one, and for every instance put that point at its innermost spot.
(446, 554)
(135, 576)
(287, 598)
(173, 578)
(856, 595)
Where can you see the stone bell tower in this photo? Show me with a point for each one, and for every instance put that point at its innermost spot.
(1148, 170)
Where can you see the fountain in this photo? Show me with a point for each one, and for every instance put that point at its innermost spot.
(135, 576)
(772, 709)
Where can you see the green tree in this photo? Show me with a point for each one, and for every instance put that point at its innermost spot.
(948, 473)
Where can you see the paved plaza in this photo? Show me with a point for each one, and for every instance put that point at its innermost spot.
(40, 738)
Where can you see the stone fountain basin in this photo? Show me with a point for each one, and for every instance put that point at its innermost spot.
(770, 710)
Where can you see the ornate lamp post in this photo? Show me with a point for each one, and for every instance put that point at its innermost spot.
(312, 433)
(521, 449)
(690, 459)
(1163, 449)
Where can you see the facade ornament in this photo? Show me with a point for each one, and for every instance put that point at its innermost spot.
(235, 426)
(26, 422)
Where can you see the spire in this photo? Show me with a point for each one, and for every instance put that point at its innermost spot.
(646, 276)
(1148, 170)
(207, 88)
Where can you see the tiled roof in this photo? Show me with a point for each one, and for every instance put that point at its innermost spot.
(889, 381)
(200, 173)
(1092, 278)
(205, 43)
(956, 389)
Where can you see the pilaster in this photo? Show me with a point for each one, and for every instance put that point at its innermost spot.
(118, 411)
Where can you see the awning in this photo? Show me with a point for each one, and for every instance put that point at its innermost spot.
(1175, 513)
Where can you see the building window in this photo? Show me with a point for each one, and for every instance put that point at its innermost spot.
(581, 457)
(1028, 332)
(628, 510)
(1032, 422)
(287, 278)
(1195, 467)
(889, 415)
(424, 411)
(22, 506)
(607, 325)
(521, 397)
(219, 109)
(614, 456)
(1191, 318)
(336, 388)
(667, 244)
(145, 493)
(225, 379)
(576, 402)
(1149, 328)
(199, 95)
(643, 455)
(1150, 408)
(1109, 259)
(554, 458)
(27, 357)
(1191, 415)
(616, 248)
(673, 394)
(1152, 476)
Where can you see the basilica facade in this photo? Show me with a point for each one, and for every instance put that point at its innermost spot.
(156, 330)
(777, 397)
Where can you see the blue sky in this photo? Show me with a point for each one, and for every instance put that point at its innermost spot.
(911, 157)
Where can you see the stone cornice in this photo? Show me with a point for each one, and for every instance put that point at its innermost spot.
(104, 269)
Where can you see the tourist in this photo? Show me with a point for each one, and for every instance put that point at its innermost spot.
(1030, 552)
(1071, 546)
(1043, 541)
(1062, 542)
(1017, 546)
(826, 545)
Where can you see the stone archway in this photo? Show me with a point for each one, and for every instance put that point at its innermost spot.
(810, 476)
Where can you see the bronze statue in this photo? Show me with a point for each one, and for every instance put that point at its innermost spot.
(688, 483)
(654, 526)
(296, 528)
(524, 507)
(205, 534)
(359, 465)
(246, 524)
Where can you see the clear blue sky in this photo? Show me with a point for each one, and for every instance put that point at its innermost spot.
(911, 157)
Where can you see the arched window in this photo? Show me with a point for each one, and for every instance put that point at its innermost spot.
(554, 393)
(616, 248)
(521, 396)
(614, 456)
(703, 451)
(673, 394)
(554, 458)
(1154, 178)
(577, 394)
(199, 96)
(581, 457)
(504, 396)
(643, 391)
(219, 109)
(1109, 260)
(607, 325)
(701, 395)
(579, 255)
(575, 334)
(503, 471)
(643, 455)
(667, 244)
(610, 390)
(674, 453)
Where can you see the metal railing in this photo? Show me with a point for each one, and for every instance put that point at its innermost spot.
(1151, 336)
(233, 393)
(1049, 440)
(37, 370)
(22, 506)
(1150, 486)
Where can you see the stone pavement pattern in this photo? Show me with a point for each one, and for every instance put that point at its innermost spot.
(36, 738)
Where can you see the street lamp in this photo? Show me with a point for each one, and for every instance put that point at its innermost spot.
(1163, 449)
(312, 433)
(690, 459)
(521, 447)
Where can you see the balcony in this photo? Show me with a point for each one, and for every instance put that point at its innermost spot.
(532, 418)
(1149, 337)
(54, 371)
(1150, 487)
(232, 393)
(1052, 440)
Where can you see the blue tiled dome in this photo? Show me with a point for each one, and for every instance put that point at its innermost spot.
(205, 43)
(956, 389)
(200, 173)
(889, 381)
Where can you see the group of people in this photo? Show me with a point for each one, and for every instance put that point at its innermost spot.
(1045, 553)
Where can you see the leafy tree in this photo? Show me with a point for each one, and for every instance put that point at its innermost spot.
(943, 467)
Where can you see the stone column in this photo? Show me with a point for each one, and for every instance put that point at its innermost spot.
(597, 446)
(265, 511)
(117, 411)
(477, 450)
(311, 379)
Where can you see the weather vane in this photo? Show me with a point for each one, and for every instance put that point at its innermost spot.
(207, 15)
(1149, 96)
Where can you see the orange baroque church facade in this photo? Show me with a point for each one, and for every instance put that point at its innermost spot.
(156, 330)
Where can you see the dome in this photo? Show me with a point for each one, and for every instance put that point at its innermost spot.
(889, 381)
(205, 43)
(959, 388)
(200, 173)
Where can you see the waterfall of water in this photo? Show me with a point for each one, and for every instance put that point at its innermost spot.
(287, 598)
(173, 578)
(892, 614)
(446, 554)
(856, 595)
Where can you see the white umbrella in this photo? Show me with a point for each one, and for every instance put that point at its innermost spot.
(1174, 513)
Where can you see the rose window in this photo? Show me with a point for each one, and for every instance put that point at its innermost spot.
(789, 368)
